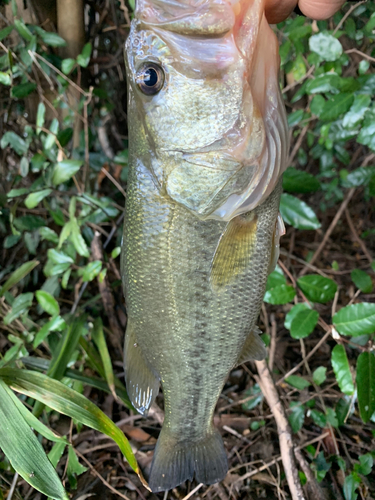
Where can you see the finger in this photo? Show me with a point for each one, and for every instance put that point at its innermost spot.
(277, 10)
(320, 9)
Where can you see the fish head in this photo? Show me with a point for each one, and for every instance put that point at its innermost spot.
(193, 104)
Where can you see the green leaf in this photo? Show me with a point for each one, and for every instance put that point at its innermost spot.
(319, 375)
(6, 32)
(280, 295)
(33, 199)
(276, 278)
(18, 275)
(29, 222)
(350, 486)
(67, 65)
(50, 140)
(324, 83)
(332, 418)
(84, 57)
(56, 323)
(59, 257)
(356, 319)
(357, 111)
(51, 39)
(78, 241)
(295, 117)
(92, 270)
(297, 213)
(24, 451)
(74, 467)
(61, 398)
(362, 280)
(15, 142)
(56, 453)
(23, 30)
(5, 78)
(296, 418)
(293, 313)
(64, 170)
(366, 463)
(99, 339)
(21, 304)
(23, 90)
(367, 133)
(336, 106)
(255, 400)
(317, 105)
(341, 369)
(326, 46)
(298, 181)
(40, 117)
(359, 177)
(47, 302)
(319, 418)
(366, 385)
(297, 382)
(304, 323)
(317, 288)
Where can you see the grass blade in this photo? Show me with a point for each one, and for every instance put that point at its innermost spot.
(99, 339)
(24, 451)
(18, 275)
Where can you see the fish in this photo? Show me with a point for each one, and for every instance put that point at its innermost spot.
(208, 143)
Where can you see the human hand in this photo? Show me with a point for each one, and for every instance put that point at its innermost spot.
(278, 10)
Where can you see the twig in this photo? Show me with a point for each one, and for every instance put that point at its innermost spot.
(82, 457)
(193, 491)
(267, 385)
(332, 226)
(271, 357)
(114, 181)
(356, 237)
(312, 485)
(86, 133)
(360, 53)
(347, 15)
(298, 144)
(13, 486)
(294, 84)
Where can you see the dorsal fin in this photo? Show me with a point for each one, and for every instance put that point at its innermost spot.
(254, 348)
(234, 250)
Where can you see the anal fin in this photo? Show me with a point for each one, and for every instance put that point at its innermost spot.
(254, 348)
(234, 250)
(142, 384)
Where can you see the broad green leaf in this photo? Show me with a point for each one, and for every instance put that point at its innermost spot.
(343, 409)
(296, 418)
(332, 418)
(362, 280)
(5, 78)
(293, 313)
(319, 375)
(255, 400)
(77, 239)
(280, 295)
(366, 385)
(367, 133)
(67, 65)
(359, 177)
(297, 382)
(24, 451)
(356, 319)
(48, 234)
(6, 32)
(276, 278)
(59, 257)
(33, 199)
(365, 465)
(61, 398)
(341, 369)
(84, 57)
(21, 304)
(13, 140)
(304, 323)
(357, 111)
(351, 484)
(18, 275)
(326, 46)
(64, 170)
(23, 30)
(23, 90)
(298, 181)
(317, 288)
(51, 39)
(295, 117)
(56, 323)
(74, 467)
(317, 105)
(99, 339)
(47, 302)
(92, 270)
(319, 418)
(40, 117)
(297, 213)
(363, 66)
(324, 83)
(336, 106)
(29, 222)
(50, 140)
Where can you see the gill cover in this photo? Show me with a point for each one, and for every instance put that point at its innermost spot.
(215, 133)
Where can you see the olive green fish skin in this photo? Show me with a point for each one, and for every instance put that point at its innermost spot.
(190, 335)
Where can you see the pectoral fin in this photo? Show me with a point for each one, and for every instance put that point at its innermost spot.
(234, 250)
(254, 348)
(142, 384)
(275, 250)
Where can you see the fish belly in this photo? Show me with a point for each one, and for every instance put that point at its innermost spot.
(182, 330)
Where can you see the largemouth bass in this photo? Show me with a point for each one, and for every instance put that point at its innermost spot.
(207, 146)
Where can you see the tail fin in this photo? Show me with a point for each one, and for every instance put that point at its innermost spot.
(175, 462)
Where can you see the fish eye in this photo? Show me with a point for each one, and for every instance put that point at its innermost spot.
(150, 78)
